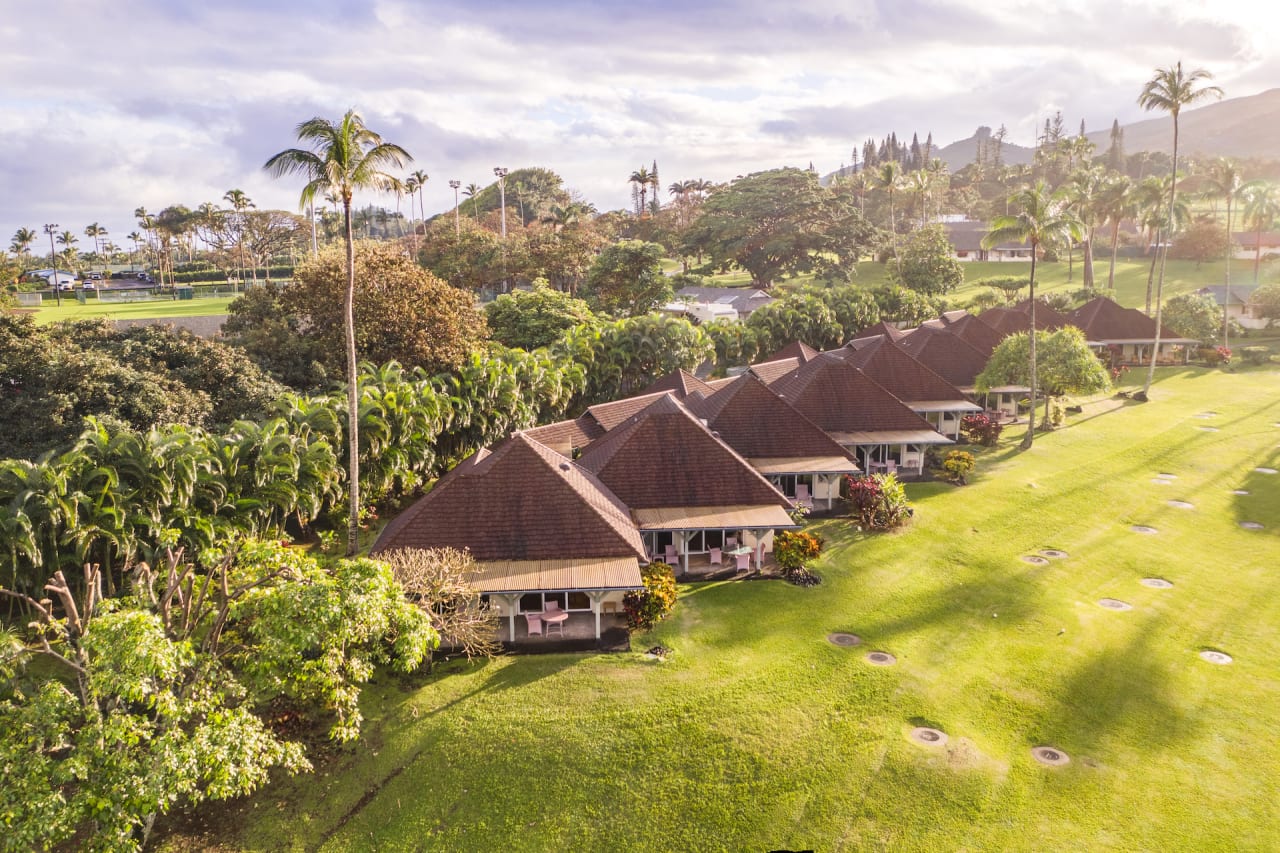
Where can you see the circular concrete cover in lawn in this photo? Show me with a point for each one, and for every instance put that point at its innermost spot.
(1050, 756)
(1165, 475)
(1208, 429)
(1251, 525)
(1182, 505)
(1156, 583)
(1207, 415)
(928, 736)
(842, 639)
(1265, 470)
(1114, 604)
(1162, 482)
(1034, 559)
(1239, 491)
(1215, 657)
(881, 659)
(1142, 528)
(1054, 553)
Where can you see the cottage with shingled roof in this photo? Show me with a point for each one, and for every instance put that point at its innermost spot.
(859, 414)
(542, 530)
(925, 392)
(690, 494)
(791, 451)
(1127, 334)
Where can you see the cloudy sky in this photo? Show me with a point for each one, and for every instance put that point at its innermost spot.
(110, 105)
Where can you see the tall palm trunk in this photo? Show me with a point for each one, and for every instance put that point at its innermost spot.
(1257, 251)
(1173, 193)
(1115, 246)
(1088, 260)
(893, 233)
(1226, 296)
(1151, 272)
(1031, 412)
(353, 393)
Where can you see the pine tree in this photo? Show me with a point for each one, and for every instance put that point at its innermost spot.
(928, 148)
(1115, 154)
(916, 162)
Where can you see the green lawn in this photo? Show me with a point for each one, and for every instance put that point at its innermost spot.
(759, 734)
(72, 310)
(1131, 277)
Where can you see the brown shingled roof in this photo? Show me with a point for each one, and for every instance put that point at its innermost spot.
(839, 397)
(664, 457)
(882, 328)
(609, 415)
(771, 371)
(757, 423)
(1047, 318)
(899, 373)
(523, 501)
(1101, 320)
(795, 349)
(946, 354)
(564, 436)
(977, 333)
(681, 382)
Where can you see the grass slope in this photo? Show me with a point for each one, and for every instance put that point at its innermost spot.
(758, 734)
(159, 308)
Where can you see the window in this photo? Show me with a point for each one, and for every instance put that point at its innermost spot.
(531, 602)
(553, 597)
(579, 601)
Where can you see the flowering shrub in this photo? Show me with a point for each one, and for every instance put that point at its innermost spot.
(1224, 354)
(651, 604)
(958, 465)
(981, 429)
(1256, 355)
(793, 548)
(1214, 355)
(879, 502)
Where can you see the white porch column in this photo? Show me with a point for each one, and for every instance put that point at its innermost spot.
(684, 551)
(597, 598)
(513, 604)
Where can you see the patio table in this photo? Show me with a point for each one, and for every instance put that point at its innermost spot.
(739, 551)
(555, 615)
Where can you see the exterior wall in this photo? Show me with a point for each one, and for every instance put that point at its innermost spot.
(1020, 255)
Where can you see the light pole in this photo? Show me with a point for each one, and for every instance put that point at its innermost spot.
(501, 172)
(53, 256)
(456, 226)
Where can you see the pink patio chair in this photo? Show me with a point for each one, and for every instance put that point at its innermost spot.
(890, 466)
(672, 560)
(731, 541)
(555, 628)
(715, 557)
(670, 551)
(535, 623)
(552, 606)
(744, 561)
(802, 495)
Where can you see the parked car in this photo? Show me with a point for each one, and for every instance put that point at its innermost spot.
(94, 276)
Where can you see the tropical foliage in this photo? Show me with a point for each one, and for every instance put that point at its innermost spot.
(651, 604)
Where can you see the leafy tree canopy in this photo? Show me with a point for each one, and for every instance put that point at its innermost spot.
(1064, 364)
(927, 262)
(402, 312)
(776, 223)
(1267, 298)
(626, 279)
(905, 308)
(1196, 316)
(535, 318)
(162, 697)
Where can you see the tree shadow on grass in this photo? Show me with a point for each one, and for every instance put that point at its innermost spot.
(1120, 694)
(1262, 504)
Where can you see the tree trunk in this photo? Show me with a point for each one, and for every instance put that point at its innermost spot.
(1226, 297)
(1031, 411)
(1257, 251)
(1071, 260)
(1151, 272)
(353, 393)
(1088, 260)
(893, 234)
(1115, 244)
(1173, 194)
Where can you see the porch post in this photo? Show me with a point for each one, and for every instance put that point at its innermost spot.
(684, 552)
(513, 604)
(597, 597)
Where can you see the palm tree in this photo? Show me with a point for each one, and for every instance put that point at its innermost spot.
(889, 178)
(1042, 220)
(22, 241)
(240, 203)
(1222, 180)
(1261, 210)
(920, 184)
(344, 157)
(1084, 190)
(471, 191)
(421, 178)
(641, 178)
(1170, 90)
(68, 241)
(96, 232)
(1115, 204)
